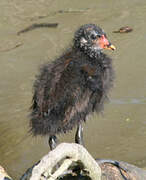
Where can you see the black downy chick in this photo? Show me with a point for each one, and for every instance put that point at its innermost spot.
(73, 86)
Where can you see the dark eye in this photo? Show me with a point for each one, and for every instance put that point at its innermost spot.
(99, 35)
(93, 36)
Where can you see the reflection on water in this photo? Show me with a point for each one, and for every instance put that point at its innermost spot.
(128, 101)
(121, 132)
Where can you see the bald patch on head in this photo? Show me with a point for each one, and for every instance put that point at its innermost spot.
(83, 41)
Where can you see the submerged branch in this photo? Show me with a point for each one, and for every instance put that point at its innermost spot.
(36, 25)
(11, 48)
(71, 11)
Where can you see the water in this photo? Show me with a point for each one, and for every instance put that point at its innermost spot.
(121, 132)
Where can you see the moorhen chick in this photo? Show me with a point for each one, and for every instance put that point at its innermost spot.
(73, 86)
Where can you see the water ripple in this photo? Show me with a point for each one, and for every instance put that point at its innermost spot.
(129, 101)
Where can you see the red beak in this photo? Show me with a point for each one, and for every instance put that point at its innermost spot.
(105, 44)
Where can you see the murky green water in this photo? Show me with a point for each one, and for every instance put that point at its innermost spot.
(121, 132)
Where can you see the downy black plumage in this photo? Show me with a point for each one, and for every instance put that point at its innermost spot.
(73, 86)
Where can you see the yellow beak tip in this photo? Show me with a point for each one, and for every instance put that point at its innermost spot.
(112, 47)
